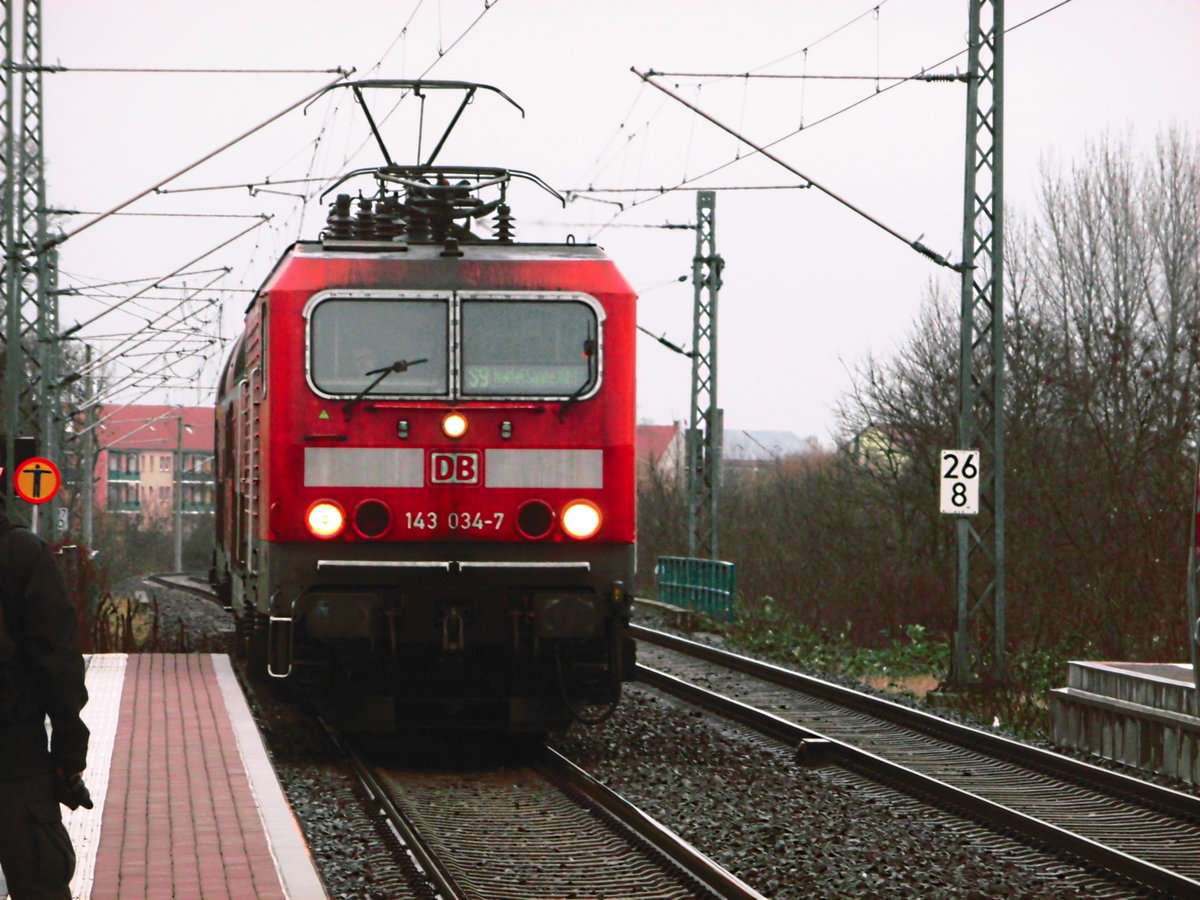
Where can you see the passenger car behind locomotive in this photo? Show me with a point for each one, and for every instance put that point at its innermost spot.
(425, 462)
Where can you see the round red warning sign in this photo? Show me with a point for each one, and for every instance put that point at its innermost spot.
(38, 480)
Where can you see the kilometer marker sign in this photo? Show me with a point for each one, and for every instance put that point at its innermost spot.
(959, 482)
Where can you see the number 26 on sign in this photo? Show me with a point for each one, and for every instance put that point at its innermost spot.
(960, 482)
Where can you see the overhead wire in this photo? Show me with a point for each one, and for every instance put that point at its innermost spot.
(150, 323)
(320, 146)
(656, 193)
(247, 185)
(747, 76)
(81, 325)
(159, 215)
(718, 77)
(620, 127)
(621, 154)
(488, 6)
(803, 90)
(101, 295)
(66, 235)
(878, 46)
(145, 424)
(332, 109)
(300, 210)
(401, 36)
(914, 244)
(131, 380)
(144, 296)
(691, 135)
(718, 187)
(129, 281)
(804, 50)
(265, 185)
(125, 70)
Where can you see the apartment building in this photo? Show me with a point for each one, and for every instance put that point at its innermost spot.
(142, 450)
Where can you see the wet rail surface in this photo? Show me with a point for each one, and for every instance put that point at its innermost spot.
(524, 832)
(1132, 828)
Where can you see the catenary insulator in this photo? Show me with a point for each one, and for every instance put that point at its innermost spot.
(338, 223)
(504, 223)
(364, 221)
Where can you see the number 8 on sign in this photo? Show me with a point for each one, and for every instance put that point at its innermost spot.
(960, 482)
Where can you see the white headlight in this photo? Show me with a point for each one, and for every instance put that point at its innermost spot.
(325, 519)
(454, 425)
(581, 519)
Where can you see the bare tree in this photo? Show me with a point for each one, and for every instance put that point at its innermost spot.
(1102, 404)
(1102, 362)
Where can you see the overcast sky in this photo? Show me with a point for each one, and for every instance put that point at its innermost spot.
(810, 288)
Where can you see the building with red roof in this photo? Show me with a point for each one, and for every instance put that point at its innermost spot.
(142, 450)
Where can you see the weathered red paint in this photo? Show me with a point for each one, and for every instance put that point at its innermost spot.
(291, 414)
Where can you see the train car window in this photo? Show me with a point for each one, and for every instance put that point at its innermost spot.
(528, 348)
(352, 341)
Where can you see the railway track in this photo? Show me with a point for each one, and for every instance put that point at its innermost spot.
(183, 581)
(1133, 829)
(547, 829)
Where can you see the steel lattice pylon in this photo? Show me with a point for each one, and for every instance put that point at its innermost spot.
(31, 319)
(980, 577)
(704, 436)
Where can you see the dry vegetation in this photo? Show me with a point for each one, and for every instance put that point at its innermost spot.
(847, 549)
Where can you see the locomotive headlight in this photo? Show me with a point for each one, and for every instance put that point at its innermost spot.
(454, 425)
(581, 519)
(325, 519)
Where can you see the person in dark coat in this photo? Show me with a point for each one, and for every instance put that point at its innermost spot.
(41, 676)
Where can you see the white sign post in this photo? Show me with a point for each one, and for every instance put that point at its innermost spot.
(959, 482)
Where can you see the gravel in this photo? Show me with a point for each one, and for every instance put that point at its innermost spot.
(788, 830)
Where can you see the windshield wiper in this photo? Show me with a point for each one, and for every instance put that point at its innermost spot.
(400, 365)
(589, 352)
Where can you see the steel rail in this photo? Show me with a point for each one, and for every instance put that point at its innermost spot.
(969, 804)
(708, 872)
(425, 857)
(1046, 761)
(199, 589)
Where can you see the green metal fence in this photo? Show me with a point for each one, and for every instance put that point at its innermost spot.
(703, 585)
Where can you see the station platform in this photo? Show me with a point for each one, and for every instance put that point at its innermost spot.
(1141, 714)
(187, 804)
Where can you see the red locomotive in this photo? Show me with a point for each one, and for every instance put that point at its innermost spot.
(425, 452)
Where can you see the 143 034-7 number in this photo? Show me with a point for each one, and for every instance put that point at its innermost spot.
(455, 521)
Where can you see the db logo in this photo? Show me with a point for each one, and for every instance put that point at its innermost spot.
(454, 468)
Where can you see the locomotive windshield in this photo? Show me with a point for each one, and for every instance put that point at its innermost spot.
(352, 340)
(526, 348)
(483, 346)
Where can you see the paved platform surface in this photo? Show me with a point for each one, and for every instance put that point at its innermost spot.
(187, 804)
